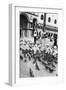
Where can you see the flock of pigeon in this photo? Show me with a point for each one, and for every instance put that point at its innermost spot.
(36, 60)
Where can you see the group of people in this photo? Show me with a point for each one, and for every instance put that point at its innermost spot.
(37, 35)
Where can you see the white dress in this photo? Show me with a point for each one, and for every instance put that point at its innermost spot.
(35, 33)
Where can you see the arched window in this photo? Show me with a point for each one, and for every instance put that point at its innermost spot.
(49, 19)
(55, 21)
(42, 17)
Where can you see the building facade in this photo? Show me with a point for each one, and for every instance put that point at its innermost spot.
(46, 22)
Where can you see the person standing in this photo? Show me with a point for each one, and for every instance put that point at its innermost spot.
(35, 35)
(35, 29)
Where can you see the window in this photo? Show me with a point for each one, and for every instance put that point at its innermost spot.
(42, 17)
(55, 21)
(49, 19)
